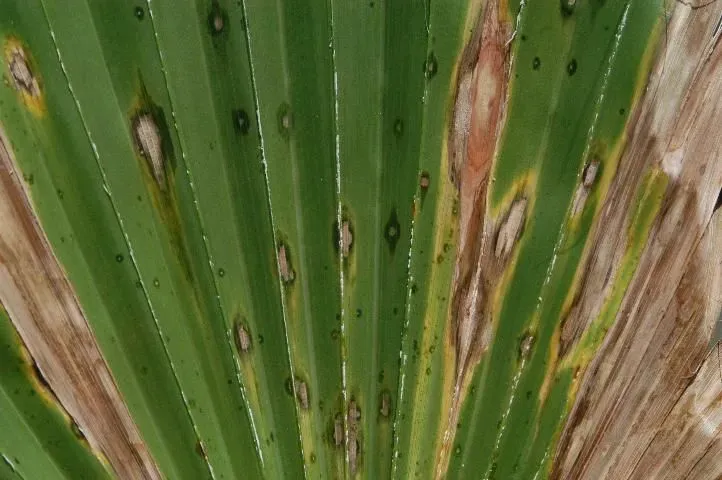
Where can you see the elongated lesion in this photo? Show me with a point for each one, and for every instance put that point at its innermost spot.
(43, 307)
(485, 244)
(476, 125)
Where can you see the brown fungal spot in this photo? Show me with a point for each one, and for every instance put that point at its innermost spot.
(243, 338)
(201, 449)
(284, 265)
(526, 345)
(590, 173)
(424, 181)
(23, 76)
(354, 432)
(301, 390)
(77, 431)
(218, 23)
(385, 404)
(511, 228)
(338, 430)
(150, 146)
(216, 19)
(346, 238)
(588, 177)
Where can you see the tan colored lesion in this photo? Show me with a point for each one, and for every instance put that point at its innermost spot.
(478, 115)
(150, 145)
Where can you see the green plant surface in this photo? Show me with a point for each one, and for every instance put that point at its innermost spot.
(254, 204)
(220, 142)
(42, 443)
(380, 81)
(112, 66)
(427, 358)
(292, 67)
(67, 188)
(570, 107)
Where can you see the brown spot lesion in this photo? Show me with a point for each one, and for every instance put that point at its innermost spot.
(589, 176)
(476, 126)
(149, 142)
(346, 238)
(353, 444)
(510, 229)
(288, 275)
(300, 390)
(385, 404)
(23, 75)
(242, 337)
(485, 244)
(338, 434)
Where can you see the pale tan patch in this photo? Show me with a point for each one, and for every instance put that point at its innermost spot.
(649, 405)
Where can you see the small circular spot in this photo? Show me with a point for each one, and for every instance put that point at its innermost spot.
(536, 63)
(221, 272)
(392, 231)
(139, 13)
(424, 180)
(285, 120)
(119, 258)
(156, 283)
(572, 67)
(60, 194)
(523, 38)
(218, 23)
(216, 20)
(430, 66)
(398, 127)
(241, 121)
(622, 111)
